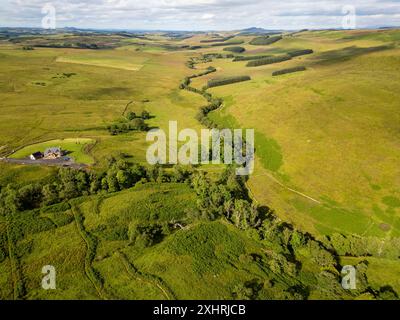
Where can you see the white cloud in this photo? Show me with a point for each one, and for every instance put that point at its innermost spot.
(207, 16)
(200, 14)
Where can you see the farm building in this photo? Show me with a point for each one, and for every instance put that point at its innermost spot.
(53, 153)
(36, 156)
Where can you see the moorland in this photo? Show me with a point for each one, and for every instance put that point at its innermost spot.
(324, 193)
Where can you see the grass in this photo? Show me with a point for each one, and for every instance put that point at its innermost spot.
(327, 144)
(76, 149)
(107, 62)
(158, 272)
(311, 130)
(83, 104)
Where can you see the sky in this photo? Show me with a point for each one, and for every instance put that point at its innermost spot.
(196, 15)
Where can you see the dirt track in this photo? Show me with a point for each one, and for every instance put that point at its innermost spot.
(43, 162)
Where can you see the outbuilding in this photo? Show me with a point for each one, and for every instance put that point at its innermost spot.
(36, 156)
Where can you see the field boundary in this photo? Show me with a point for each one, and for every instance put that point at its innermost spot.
(154, 280)
(91, 245)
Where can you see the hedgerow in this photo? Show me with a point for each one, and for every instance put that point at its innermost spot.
(265, 40)
(249, 58)
(300, 53)
(221, 82)
(235, 49)
(210, 56)
(226, 44)
(217, 39)
(288, 70)
(270, 60)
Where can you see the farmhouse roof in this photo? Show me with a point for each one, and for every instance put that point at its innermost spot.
(53, 150)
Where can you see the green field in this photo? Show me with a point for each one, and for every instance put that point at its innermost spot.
(112, 61)
(74, 147)
(327, 155)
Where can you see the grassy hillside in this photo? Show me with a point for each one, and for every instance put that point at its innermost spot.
(314, 131)
(325, 191)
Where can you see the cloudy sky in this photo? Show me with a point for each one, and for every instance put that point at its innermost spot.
(201, 14)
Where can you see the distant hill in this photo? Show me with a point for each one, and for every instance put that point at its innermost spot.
(254, 30)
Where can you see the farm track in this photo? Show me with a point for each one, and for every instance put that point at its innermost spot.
(290, 189)
(150, 279)
(48, 163)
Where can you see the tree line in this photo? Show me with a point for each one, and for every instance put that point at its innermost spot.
(269, 60)
(224, 81)
(265, 40)
(217, 39)
(249, 58)
(235, 49)
(133, 122)
(288, 70)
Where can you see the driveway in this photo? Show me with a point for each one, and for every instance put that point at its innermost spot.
(54, 162)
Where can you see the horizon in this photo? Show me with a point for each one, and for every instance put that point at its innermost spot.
(200, 15)
(383, 27)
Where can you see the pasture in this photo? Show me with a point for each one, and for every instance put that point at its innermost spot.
(312, 127)
(75, 148)
(327, 155)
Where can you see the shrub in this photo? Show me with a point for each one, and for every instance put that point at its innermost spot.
(145, 115)
(288, 70)
(270, 60)
(265, 40)
(60, 207)
(131, 115)
(210, 56)
(235, 49)
(145, 235)
(225, 81)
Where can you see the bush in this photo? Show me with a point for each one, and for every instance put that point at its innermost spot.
(265, 40)
(355, 246)
(288, 70)
(136, 124)
(225, 81)
(210, 56)
(270, 60)
(235, 49)
(145, 115)
(60, 207)
(145, 235)
(130, 116)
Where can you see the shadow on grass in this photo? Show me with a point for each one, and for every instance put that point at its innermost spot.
(340, 55)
